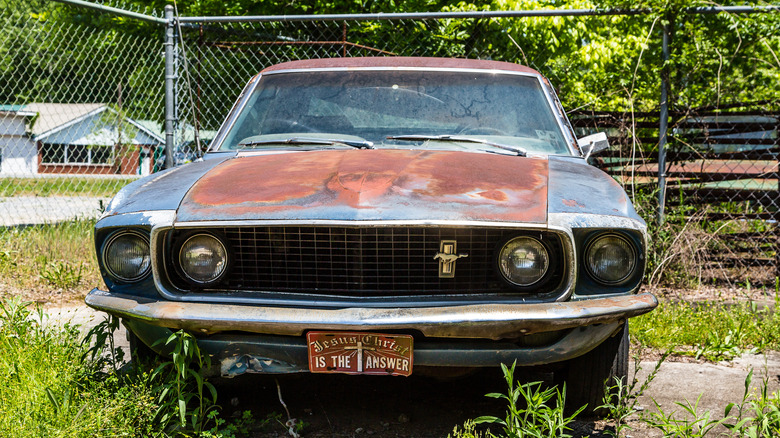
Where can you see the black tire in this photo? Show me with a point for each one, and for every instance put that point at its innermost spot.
(586, 375)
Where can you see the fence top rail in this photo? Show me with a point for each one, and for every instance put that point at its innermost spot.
(416, 15)
(113, 10)
(470, 14)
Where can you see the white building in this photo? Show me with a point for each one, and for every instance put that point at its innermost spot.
(68, 139)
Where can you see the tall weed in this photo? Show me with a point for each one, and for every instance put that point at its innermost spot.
(621, 398)
(532, 411)
(185, 398)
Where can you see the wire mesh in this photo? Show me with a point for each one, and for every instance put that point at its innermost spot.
(108, 81)
(80, 110)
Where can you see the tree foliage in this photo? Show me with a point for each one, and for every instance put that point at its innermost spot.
(57, 53)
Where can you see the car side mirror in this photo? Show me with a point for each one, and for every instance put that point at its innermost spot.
(593, 144)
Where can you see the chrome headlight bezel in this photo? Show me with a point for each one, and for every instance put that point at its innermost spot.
(219, 273)
(634, 257)
(548, 268)
(106, 260)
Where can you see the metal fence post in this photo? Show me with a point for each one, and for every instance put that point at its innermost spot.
(663, 125)
(170, 84)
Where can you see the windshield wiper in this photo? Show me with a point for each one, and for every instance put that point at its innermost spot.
(516, 149)
(360, 144)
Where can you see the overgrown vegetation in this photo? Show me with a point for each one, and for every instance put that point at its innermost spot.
(48, 262)
(712, 331)
(50, 387)
(532, 410)
(56, 382)
(537, 411)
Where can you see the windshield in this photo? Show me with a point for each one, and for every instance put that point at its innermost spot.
(421, 109)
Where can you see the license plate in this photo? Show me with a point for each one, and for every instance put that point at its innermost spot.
(360, 353)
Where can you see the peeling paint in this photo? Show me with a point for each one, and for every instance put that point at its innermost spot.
(236, 365)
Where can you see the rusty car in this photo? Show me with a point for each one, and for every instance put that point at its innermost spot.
(384, 216)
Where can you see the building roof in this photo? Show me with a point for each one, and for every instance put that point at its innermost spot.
(66, 122)
(10, 108)
(15, 110)
(401, 61)
(55, 116)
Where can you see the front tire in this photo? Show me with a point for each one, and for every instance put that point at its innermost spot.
(586, 376)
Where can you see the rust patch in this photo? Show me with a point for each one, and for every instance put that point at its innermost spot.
(372, 185)
(496, 195)
(572, 203)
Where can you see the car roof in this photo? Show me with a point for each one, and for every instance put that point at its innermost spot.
(400, 61)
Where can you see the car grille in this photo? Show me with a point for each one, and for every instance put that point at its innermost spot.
(368, 261)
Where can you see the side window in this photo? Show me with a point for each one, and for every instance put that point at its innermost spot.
(52, 153)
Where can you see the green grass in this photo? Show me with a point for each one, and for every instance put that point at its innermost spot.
(49, 387)
(35, 261)
(57, 382)
(99, 187)
(714, 331)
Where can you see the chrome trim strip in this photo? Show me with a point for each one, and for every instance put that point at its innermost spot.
(237, 108)
(358, 223)
(479, 321)
(296, 299)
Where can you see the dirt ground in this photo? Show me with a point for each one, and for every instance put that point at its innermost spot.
(421, 406)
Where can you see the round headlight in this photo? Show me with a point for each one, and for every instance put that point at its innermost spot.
(203, 258)
(610, 259)
(126, 256)
(523, 261)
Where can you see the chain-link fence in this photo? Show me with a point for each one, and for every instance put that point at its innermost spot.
(105, 87)
(80, 110)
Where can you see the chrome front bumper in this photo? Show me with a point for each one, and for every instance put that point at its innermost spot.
(478, 321)
(269, 339)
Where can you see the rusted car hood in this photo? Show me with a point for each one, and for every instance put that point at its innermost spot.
(372, 185)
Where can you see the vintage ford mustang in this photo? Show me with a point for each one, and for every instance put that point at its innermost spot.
(381, 215)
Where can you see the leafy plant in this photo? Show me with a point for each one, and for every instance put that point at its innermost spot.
(62, 275)
(693, 426)
(727, 348)
(531, 410)
(101, 351)
(620, 399)
(185, 398)
(765, 409)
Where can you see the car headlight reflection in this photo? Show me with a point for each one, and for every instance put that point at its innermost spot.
(126, 256)
(523, 261)
(610, 259)
(203, 258)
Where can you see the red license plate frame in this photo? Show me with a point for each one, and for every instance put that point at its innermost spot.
(360, 353)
